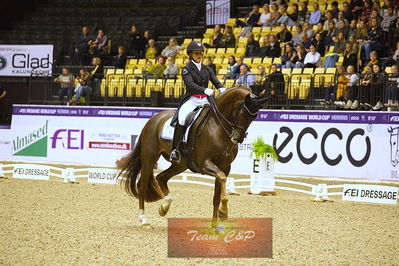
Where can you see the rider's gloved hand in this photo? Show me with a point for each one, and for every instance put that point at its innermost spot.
(208, 91)
(221, 90)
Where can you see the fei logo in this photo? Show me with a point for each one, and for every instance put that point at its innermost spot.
(394, 139)
(70, 139)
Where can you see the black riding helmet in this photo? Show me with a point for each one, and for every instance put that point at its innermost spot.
(195, 46)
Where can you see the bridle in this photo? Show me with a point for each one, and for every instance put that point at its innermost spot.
(233, 125)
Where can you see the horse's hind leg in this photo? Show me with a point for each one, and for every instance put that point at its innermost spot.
(216, 203)
(162, 179)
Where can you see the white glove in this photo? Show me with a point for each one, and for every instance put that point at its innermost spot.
(208, 91)
(221, 90)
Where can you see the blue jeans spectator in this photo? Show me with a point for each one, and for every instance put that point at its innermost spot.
(66, 91)
(82, 91)
(329, 94)
(370, 46)
(330, 60)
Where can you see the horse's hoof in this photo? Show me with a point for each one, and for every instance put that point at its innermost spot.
(146, 225)
(222, 215)
(163, 211)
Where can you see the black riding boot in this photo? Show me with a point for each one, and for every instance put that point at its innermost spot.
(177, 137)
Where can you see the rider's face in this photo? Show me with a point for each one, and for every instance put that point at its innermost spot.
(197, 56)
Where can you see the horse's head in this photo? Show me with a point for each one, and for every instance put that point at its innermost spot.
(241, 107)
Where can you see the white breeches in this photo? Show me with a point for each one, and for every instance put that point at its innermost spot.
(189, 106)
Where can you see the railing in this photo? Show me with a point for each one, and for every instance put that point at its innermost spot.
(303, 91)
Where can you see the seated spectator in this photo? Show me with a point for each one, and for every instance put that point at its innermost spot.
(82, 88)
(284, 35)
(347, 12)
(146, 38)
(228, 40)
(350, 57)
(355, 46)
(321, 30)
(265, 16)
(158, 69)
(373, 59)
(339, 47)
(294, 14)
(352, 31)
(272, 50)
(364, 89)
(275, 82)
(315, 16)
(260, 82)
(392, 90)
(100, 45)
(374, 14)
(331, 34)
(172, 49)
(245, 77)
(353, 90)
(387, 25)
(305, 41)
(252, 48)
(289, 57)
(296, 38)
(304, 14)
(152, 51)
(172, 69)
(253, 18)
(361, 31)
(82, 47)
(366, 11)
(149, 65)
(265, 41)
(343, 28)
(301, 53)
(318, 42)
(356, 6)
(334, 9)
(236, 68)
(329, 18)
(312, 58)
(97, 74)
(274, 16)
(285, 17)
(120, 59)
(342, 92)
(230, 66)
(341, 17)
(208, 62)
(394, 59)
(377, 88)
(135, 43)
(66, 81)
(307, 28)
(216, 38)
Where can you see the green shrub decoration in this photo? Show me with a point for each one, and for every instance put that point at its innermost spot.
(260, 149)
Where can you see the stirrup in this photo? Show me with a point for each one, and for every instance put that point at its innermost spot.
(175, 155)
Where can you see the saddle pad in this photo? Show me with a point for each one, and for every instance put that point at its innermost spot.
(168, 130)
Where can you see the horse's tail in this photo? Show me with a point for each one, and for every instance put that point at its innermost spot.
(131, 165)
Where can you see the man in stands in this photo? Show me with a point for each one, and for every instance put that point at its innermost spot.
(245, 78)
(82, 47)
(120, 60)
(196, 77)
(304, 14)
(252, 49)
(315, 16)
(253, 18)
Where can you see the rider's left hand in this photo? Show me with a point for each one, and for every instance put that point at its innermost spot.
(221, 90)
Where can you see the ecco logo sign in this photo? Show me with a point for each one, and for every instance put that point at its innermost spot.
(326, 135)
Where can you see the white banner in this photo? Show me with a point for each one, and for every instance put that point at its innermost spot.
(26, 60)
(217, 12)
(31, 171)
(370, 193)
(102, 175)
(312, 144)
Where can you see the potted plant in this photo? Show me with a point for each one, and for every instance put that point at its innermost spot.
(262, 180)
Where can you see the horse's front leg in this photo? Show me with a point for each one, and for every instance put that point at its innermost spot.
(221, 178)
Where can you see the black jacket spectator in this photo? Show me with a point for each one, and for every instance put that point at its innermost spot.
(120, 60)
(252, 49)
(135, 43)
(272, 50)
(285, 36)
(320, 47)
(350, 59)
(303, 15)
(374, 35)
(275, 82)
(97, 72)
(82, 44)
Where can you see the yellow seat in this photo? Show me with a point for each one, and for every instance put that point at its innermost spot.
(159, 85)
(119, 71)
(286, 71)
(208, 32)
(248, 60)
(206, 40)
(388, 70)
(120, 88)
(267, 60)
(138, 71)
(256, 29)
(113, 84)
(130, 86)
(307, 70)
(277, 60)
(211, 51)
(319, 70)
(149, 86)
(110, 72)
(230, 51)
(236, 31)
(331, 70)
(129, 71)
(229, 83)
(222, 71)
(130, 67)
(139, 88)
(296, 71)
(304, 87)
(132, 61)
(243, 40)
(187, 42)
(240, 51)
(178, 88)
(257, 60)
(241, 45)
(142, 61)
(218, 60)
(169, 87)
(221, 51)
(225, 61)
(103, 87)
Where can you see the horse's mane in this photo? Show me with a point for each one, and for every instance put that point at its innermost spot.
(236, 92)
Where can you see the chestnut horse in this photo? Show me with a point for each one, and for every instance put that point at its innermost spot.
(215, 150)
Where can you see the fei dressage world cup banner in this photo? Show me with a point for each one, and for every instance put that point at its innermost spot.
(26, 60)
(362, 145)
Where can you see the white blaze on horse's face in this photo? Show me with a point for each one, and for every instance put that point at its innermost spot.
(394, 145)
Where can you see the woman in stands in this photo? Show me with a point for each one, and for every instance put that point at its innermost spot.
(260, 80)
(284, 35)
(350, 57)
(377, 88)
(67, 83)
(152, 51)
(364, 90)
(208, 62)
(321, 30)
(100, 45)
(289, 57)
(196, 77)
(312, 58)
(341, 93)
(230, 66)
(158, 69)
(228, 39)
(97, 74)
(82, 87)
(362, 30)
(318, 42)
(301, 53)
(353, 90)
(172, 49)
(365, 16)
(135, 43)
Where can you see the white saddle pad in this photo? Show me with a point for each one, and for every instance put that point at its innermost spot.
(168, 130)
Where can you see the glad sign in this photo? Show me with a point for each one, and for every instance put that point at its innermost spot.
(370, 193)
